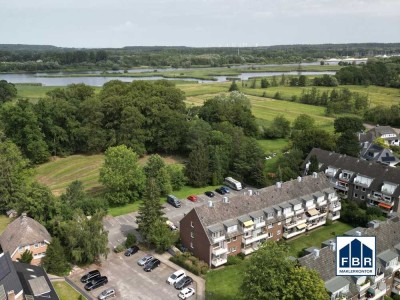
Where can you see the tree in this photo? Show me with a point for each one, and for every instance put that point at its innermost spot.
(26, 257)
(280, 128)
(7, 91)
(381, 142)
(343, 124)
(161, 237)
(151, 210)
(313, 138)
(266, 274)
(122, 175)
(177, 175)
(264, 83)
(233, 87)
(84, 239)
(304, 284)
(197, 167)
(348, 143)
(303, 122)
(155, 168)
(302, 80)
(15, 175)
(55, 261)
(314, 165)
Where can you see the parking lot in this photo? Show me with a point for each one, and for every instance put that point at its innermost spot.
(131, 282)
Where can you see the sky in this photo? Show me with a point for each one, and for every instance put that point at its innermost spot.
(198, 23)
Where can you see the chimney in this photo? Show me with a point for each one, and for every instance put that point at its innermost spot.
(11, 295)
(23, 215)
(358, 233)
(279, 184)
(316, 253)
(315, 175)
(210, 204)
(332, 245)
(225, 200)
(299, 178)
(250, 192)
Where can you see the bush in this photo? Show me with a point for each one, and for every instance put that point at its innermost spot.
(119, 248)
(241, 255)
(190, 263)
(234, 260)
(277, 96)
(130, 240)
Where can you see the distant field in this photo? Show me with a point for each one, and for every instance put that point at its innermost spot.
(60, 172)
(33, 92)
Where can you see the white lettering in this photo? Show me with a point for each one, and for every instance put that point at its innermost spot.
(367, 261)
(355, 261)
(345, 260)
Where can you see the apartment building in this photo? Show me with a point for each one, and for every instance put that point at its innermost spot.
(387, 279)
(376, 184)
(239, 224)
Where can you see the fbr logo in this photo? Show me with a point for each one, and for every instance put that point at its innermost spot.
(355, 255)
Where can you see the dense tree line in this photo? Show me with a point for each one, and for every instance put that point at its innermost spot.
(376, 72)
(43, 58)
(383, 115)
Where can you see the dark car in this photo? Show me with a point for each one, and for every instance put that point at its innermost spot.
(184, 282)
(151, 265)
(209, 194)
(131, 250)
(174, 201)
(220, 191)
(95, 283)
(91, 275)
(225, 189)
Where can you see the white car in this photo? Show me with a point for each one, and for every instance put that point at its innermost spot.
(186, 293)
(175, 277)
(171, 225)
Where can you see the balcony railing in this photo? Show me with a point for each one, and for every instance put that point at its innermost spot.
(248, 250)
(294, 223)
(362, 287)
(394, 268)
(260, 224)
(248, 228)
(335, 207)
(216, 262)
(218, 239)
(288, 214)
(219, 250)
(299, 211)
(322, 203)
(288, 235)
(334, 217)
(377, 278)
(315, 225)
(251, 239)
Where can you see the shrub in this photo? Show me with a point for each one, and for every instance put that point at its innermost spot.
(130, 240)
(241, 255)
(234, 260)
(278, 96)
(190, 263)
(119, 248)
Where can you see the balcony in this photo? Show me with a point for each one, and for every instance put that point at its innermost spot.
(315, 225)
(288, 235)
(333, 199)
(218, 239)
(248, 228)
(377, 278)
(378, 293)
(294, 223)
(322, 203)
(247, 250)
(334, 217)
(396, 289)
(394, 268)
(260, 224)
(341, 187)
(219, 250)
(364, 286)
(251, 239)
(299, 211)
(288, 214)
(335, 207)
(216, 262)
(379, 198)
(310, 206)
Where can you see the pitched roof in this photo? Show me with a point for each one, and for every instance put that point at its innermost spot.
(21, 232)
(371, 169)
(242, 205)
(8, 275)
(378, 131)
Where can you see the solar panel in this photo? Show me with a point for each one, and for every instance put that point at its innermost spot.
(4, 267)
(39, 286)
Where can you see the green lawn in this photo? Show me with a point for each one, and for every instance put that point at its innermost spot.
(224, 283)
(65, 291)
(273, 146)
(316, 237)
(4, 221)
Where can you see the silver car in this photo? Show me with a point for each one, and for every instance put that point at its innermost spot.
(145, 259)
(108, 293)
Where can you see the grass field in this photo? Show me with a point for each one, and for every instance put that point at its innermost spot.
(4, 221)
(65, 291)
(223, 284)
(273, 146)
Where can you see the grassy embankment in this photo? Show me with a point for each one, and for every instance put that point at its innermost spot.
(65, 291)
(223, 284)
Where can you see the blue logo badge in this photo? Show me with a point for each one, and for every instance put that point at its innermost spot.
(355, 255)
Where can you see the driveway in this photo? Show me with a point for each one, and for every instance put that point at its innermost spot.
(130, 281)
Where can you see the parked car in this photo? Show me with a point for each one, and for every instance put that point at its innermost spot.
(220, 191)
(192, 198)
(171, 225)
(184, 282)
(89, 276)
(209, 194)
(178, 275)
(225, 189)
(144, 260)
(151, 265)
(95, 283)
(108, 293)
(186, 293)
(175, 202)
(131, 250)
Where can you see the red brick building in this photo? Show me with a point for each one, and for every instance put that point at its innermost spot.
(240, 223)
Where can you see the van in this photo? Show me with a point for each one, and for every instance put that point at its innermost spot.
(175, 202)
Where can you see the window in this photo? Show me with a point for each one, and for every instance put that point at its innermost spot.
(233, 249)
(21, 249)
(234, 238)
(270, 226)
(192, 235)
(228, 240)
(27, 247)
(270, 215)
(191, 224)
(278, 232)
(191, 245)
(362, 197)
(36, 245)
(355, 195)
(356, 187)
(363, 189)
(232, 228)
(270, 234)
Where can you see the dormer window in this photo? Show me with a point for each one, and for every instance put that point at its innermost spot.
(231, 229)
(270, 215)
